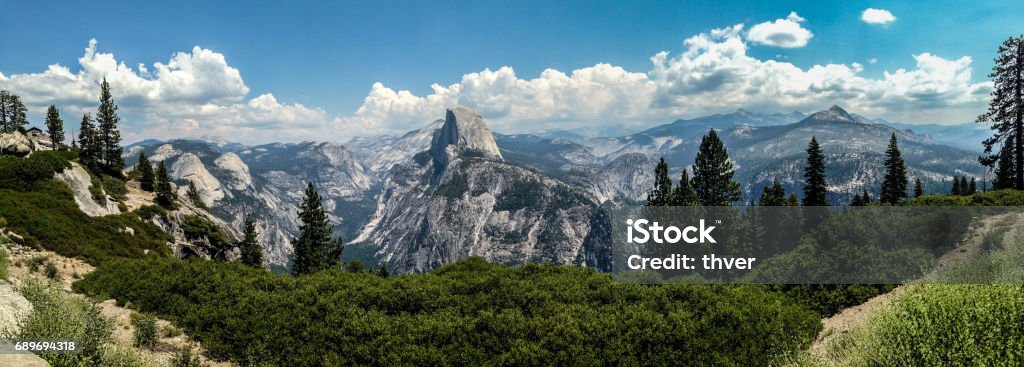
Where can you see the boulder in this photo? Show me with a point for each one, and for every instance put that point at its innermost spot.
(15, 143)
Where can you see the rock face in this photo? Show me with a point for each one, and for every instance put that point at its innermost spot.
(459, 199)
(188, 167)
(464, 130)
(14, 309)
(16, 143)
(79, 181)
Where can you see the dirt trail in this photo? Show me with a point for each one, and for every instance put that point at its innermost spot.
(850, 318)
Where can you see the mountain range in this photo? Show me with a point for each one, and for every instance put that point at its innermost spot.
(454, 189)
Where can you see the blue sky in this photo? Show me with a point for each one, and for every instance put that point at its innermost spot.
(327, 56)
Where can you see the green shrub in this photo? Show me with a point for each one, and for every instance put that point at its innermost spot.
(24, 174)
(4, 261)
(149, 211)
(36, 261)
(196, 228)
(114, 187)
(468, 313)
(96, 190)
(50, 271)
(144, 335)
(58, 315)
(122, 207)
(185, 357)
(113, 355)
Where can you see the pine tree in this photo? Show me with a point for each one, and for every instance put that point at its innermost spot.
(793, 200)
(683, 194)
(314, 249)
(918, 188)
(55, 126)
(1006, 110)
(110, 136)
(963, 186)
(194, 197)
(815, 185)
(16, 114)
(774, 195)
(383, 272)
(5, 98)
(894, 186)
(972, 188)
(866, 198)
(662, 194)
(857, 200)
(955, 191)
(164, 192)
(1005, 176)
(250, 247)
(146, 175)
(89, 150)
(712, 173)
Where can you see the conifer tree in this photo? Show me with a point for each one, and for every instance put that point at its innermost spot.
(866, 198)
(815, 185)
(963, 186)
(683, 194)
(55, 126)
(662, 194)
(89, 149)
(793, 200)
(894, 186)
(1006, 109)
(1005, 176)
(314, 248)
(972, 188)
(109, 135)
(774, 195)
(918, 188)
(383, 272)
(164, 192)
(16, 114)
(250, 247)
(194, 197)
(147, 178)
(955, 191)
(857, 200)
(5, 98)
(712, 173)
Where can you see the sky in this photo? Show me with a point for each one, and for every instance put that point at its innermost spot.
(307, 70)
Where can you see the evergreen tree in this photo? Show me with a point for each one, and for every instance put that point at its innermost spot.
(89, 150)
(894, 187)
(774, 195)
(866, 198)
(164, 192)
(109, 135)
(251, 249)
(5, 98)
(16, 114)
(955, 191)
(712, 173)
(55, 126)
(972, 188)
(963, 185)
(1006, 110)
(683, 194)
(194, 197)
(918, 188)
(857, 200)
(314, 249)
(146, 175)
(662, 194)
(793, 200)
(815, 185)
(383, 272)
(1005, 176)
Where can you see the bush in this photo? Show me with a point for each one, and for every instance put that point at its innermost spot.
(144, 335)
(149, 211)
(4, 261)
(50, 271)
(24, 174)
(197, 228)
(58, 315)
(468, 313)
(184, 357)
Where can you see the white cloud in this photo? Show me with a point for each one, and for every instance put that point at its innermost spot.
(782, 33)
(193, 93)
(872, 61)
(877, 16)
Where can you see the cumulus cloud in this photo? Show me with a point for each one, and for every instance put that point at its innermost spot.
(782, 33)
(191, 94)
(877, 16)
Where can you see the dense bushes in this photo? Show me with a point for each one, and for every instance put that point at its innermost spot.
(467, 313)
(24, 173)
(58, 315)
(48, 217)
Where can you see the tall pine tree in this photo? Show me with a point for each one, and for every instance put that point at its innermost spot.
(147, 178)
(815, 185)
(88, 144)
(314, 249)
(250, 247)
(972, 188)
(712, 173)
(955, 191)
(662, 194)
(774, 195)
(683, 194)
(963, 186)
(16, 114)
(109, 135)
(918, 188)
(164, 191)
(5, 98)
(866, 197)
(55, 126)
(894, 186)
(1005, 176)
(1006, 112)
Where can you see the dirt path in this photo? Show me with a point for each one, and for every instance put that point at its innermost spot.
(853, 317)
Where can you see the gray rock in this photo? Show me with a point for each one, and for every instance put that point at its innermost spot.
(467, 131)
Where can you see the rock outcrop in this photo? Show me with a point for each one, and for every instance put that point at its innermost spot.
(464, 130)
(17, 144)
(79, 181)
